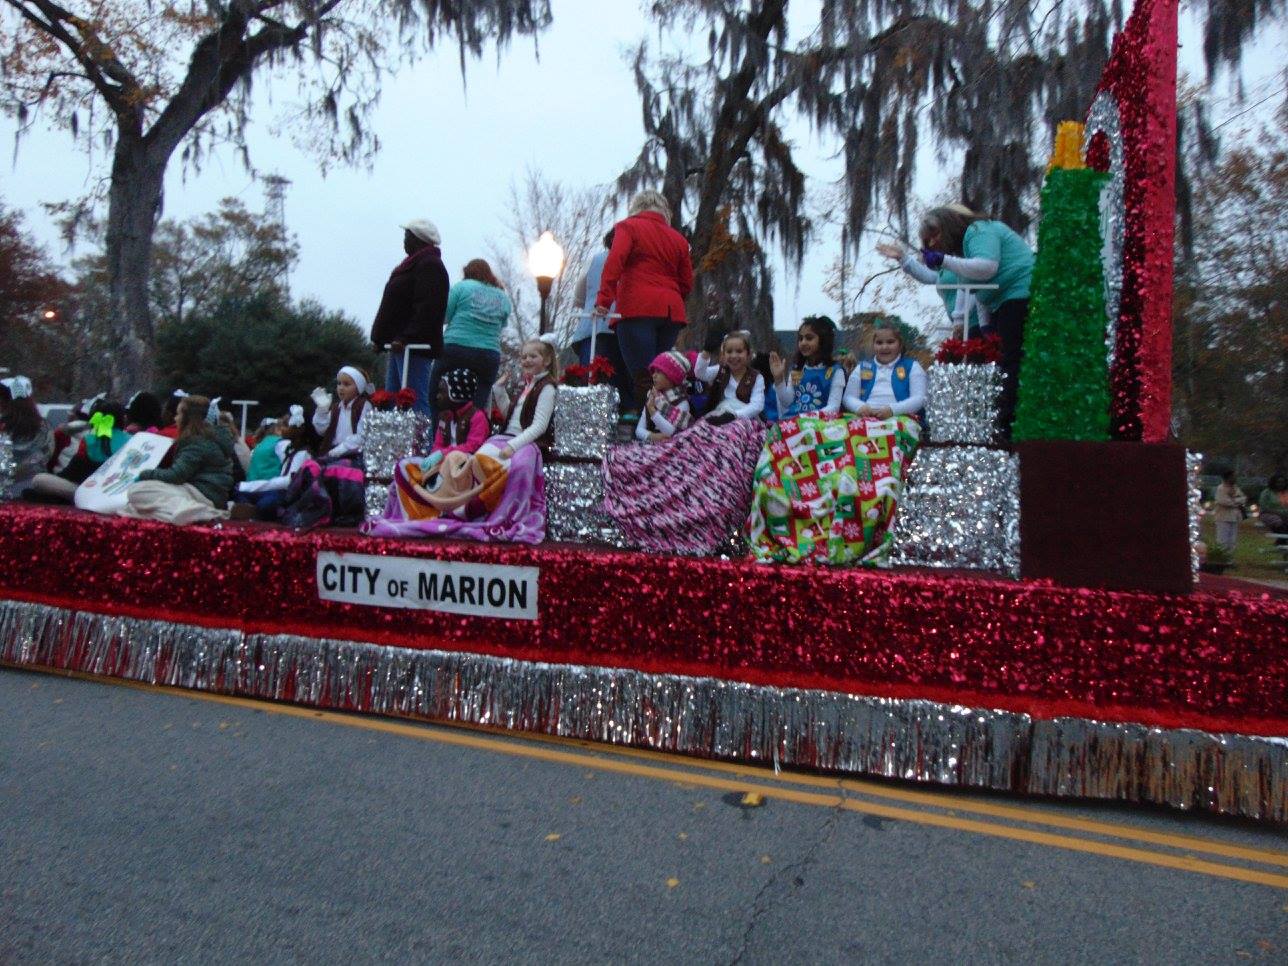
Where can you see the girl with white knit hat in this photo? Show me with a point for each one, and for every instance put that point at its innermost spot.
(342, 424)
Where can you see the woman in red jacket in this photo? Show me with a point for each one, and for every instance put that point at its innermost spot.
(648, 274)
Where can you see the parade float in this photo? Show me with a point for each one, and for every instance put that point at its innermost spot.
(1041, 630)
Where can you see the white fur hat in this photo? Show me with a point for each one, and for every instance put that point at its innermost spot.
(424, 229)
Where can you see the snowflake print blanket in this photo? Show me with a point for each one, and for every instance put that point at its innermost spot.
(826, 489)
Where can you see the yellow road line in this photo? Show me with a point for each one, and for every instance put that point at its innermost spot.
(535, 750)
(932, 799)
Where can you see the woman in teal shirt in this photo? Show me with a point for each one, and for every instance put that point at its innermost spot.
(960, 244)
(477, 310)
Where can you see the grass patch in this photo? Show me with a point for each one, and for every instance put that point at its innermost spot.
(1251, 559)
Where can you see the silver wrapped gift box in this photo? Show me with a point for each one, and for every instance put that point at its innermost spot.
(574, 492)
(960, 509)
(961, 402)
(8, 467)
(392, 435)
(585, 422)
(376, 495)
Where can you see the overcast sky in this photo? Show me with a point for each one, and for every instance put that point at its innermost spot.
(449, 153)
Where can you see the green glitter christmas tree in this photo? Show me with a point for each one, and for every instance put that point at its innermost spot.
(1064, 378)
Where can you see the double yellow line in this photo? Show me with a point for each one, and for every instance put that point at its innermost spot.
(853, 795)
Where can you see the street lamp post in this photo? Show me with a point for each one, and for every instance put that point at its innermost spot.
(545, 262)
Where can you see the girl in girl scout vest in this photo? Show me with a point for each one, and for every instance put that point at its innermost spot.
(815, 383)
(889, 384)
(826, 489)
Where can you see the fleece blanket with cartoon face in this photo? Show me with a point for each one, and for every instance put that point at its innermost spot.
(826, 490)
(478, 496)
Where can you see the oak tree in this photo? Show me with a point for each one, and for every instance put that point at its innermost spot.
(33, 309)
(877, 79)
(155, 78)
(1230, 305)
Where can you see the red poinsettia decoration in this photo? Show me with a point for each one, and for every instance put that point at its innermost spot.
(597, 373)
(601, 370)
(385, 400)
(982, 348)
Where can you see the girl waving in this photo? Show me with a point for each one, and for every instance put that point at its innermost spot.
(815, 383)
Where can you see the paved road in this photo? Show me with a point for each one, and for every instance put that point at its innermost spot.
(142, 825)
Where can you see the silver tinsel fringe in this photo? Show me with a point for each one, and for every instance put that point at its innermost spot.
(393, 435)
(8, 466)
(1104, 116)
(574, 492)
(961, 402)
(585, 421)
(1194, 467)
(960, 508)
(710, 717)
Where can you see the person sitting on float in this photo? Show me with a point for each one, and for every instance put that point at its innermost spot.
(342, 424)
(958, 243)
(29, 434)
(666, 408)
(691, 492)
(143, 413)
(498, 492)
(761, 363)
(269, 446)
(814, 384)
(826, 488)
(530, 417)
(198, 485)
(169, 424)
(105, 436)
(462, 426)
(241, 451)
(68, 436)
(737, 390)
(891, 383)
(297, 443)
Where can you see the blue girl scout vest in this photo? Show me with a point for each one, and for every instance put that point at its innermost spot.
(813, 384)
(900, 379)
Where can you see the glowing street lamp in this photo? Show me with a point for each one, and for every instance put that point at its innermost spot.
(545, 262)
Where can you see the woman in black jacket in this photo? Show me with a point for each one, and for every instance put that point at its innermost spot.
(412, 308)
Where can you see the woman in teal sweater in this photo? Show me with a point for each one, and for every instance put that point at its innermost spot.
(477, 310)
(958, 244)
(197, 486)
